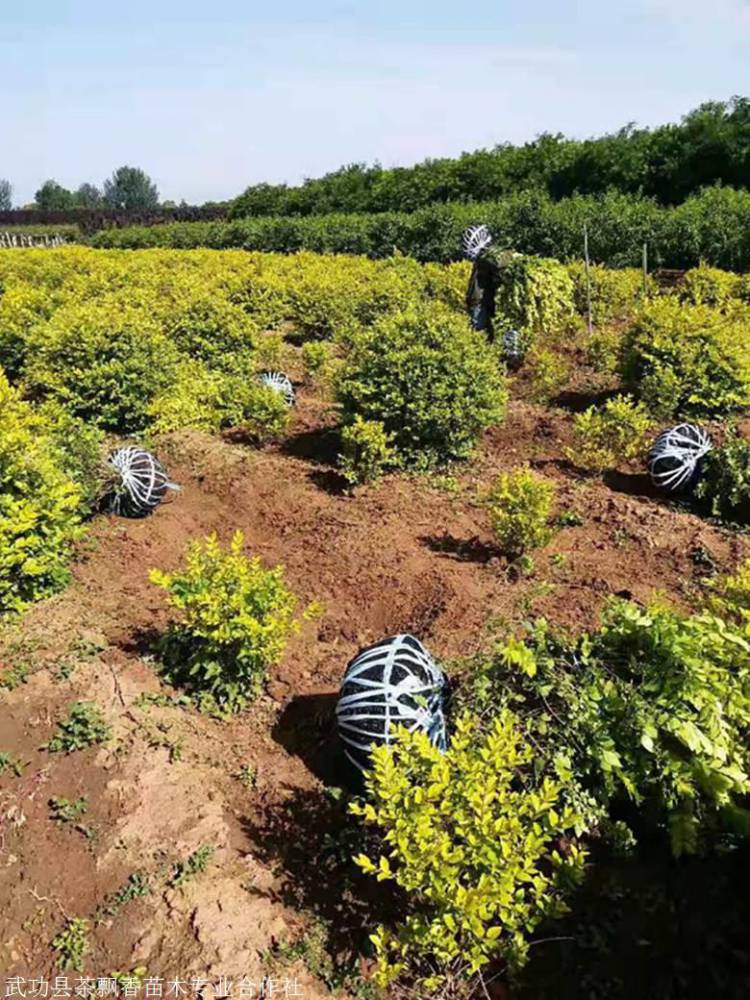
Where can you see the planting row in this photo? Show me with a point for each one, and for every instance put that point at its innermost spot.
(95, 343)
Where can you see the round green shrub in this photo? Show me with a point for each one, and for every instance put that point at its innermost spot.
(520, 504)
(103, 360)
(431, 381)
(205, 326)
(81, 449)
(688, 359)
(615, 294)
(710, 286)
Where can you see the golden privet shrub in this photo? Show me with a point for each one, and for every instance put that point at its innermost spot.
(103, 360)
(688, 359)
(430, 380)
(237, 617)
(520, 504)
(40, 506)
(474, 842)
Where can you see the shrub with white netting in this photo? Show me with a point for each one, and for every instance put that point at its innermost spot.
(394, 682)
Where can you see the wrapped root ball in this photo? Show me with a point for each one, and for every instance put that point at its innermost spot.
(674, 459)
(143, 482)
(513, 349)
(395, 682)
(475, 239)
(280, 383)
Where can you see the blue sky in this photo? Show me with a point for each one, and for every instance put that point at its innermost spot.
(208, 97)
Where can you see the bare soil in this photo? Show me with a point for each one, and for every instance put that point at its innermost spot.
(412, 553)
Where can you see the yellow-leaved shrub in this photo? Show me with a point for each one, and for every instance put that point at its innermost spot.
(474, 842)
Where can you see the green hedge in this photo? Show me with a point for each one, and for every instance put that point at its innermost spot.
(713, 226)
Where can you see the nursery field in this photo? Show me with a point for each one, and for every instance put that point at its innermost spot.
(175, 802)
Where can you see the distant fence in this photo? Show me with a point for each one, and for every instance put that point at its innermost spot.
(26, 240)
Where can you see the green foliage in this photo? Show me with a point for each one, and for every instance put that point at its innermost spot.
(475, 842)
(603, 350)
(652, 711)
(689, 359)
(615, 293)
(206, 325)
(62, 810)
(248, 776)
(72, 944)
(23, 304)
(6, 195)
(85, 727)
(236, 619)
(10, 763)
(429, 379)
(667, 163)
(519, 505)
(711, 226)
(365, 451)
(81, 450)
(724, 483)
(606, 436)
(130, 189)
(534, 295)
(211, 400)
(53, 197)
(137, 886)
(103, 360)
(40, 507)
(14, 675)
(709, 286)
(316, 358)
(547, 373)
(196, 863)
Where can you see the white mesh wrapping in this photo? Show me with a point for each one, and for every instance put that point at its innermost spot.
(280, 383)
(675, 454)
(143, 482)
(514, 347)
(474, 240)
(392, 683)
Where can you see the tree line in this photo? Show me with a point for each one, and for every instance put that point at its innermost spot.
(711, 145)
(129, 189)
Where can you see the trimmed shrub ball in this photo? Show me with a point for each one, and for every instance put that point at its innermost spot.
(475, 239)
(395, 682)
(674, 459)
(280, 383)
(143, 482)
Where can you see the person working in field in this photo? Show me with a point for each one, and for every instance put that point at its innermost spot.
(485, 277)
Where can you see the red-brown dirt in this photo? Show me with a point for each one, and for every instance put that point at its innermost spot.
(410, 553)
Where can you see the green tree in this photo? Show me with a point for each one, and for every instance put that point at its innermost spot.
(88, 196)
(53, 197)
(6, 195)
(130, 189)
